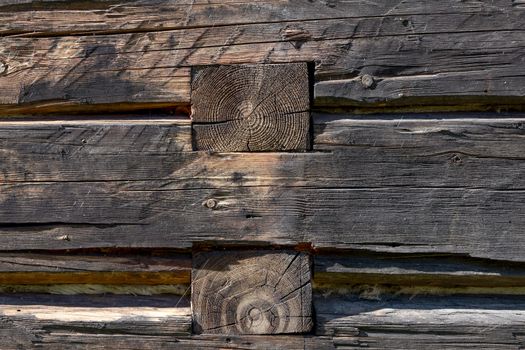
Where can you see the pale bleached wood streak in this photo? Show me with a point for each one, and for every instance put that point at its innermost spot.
(251, 292)
(399, 185)
(422, 322)
(30, 321)
(239, 108)
(391, 52)
(413, 271)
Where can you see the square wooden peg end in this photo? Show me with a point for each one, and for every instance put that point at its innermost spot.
(243, 108)
(251, 292)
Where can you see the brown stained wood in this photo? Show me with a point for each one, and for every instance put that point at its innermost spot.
(116, 277)
(251, 108)
(397, 185)
(251, 292)
(97, 289)
(74, 268)
(446, 53)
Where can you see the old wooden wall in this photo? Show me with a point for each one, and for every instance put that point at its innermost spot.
(407, 193)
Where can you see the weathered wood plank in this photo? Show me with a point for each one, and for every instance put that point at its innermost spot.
(331, 268)
(251, 292)
(28, 320)
(75, 268)
(343, 321)
(134, 342)
(422, 271)
(439, 188)
(239, 108)
(416, 322)
(77, 17)
(127, 322)
(458, 52)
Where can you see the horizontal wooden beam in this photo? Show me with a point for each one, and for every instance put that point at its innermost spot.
(74, 268)
(227, 342)
(30, 320)
(74, 56)
(350, 321)
(141, 268)
(416, 322)
(398, 185)
(124, 16)
(422, 272)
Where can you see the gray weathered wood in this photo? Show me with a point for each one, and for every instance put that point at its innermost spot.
(251, 292)
(399, 185)
(74, 261)
(449, 52)
(415, 270)
(28, 320)
(251, 108)
(348, 322)
(59, 341)
(422, 322)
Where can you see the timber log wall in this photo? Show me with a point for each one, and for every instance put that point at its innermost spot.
(292, 174)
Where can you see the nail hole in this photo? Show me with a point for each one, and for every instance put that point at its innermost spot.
(251, 216)
(456, 159)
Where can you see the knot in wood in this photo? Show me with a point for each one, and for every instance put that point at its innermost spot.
(211, 203)
(456, 159)
(367, 81)
(3, 67)
(261, 292)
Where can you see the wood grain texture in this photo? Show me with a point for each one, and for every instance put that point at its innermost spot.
(99, 341)
(449, 52)
(331, 269)
(451, 185)
(343, 322)
(75, 268)
(451, 273)
(31, 320)
(417, 322)
(251, 108)
(251, 292)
